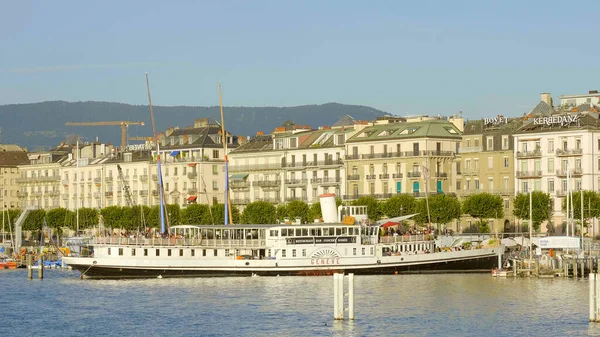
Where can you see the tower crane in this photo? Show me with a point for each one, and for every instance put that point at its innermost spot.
(123, 124)
(126, 191)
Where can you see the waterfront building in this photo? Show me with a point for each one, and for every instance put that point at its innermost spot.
(395, 155)
(39, 179)
(554, 145)
(571, 101)
(11, 156)
(193, 163)
(295, 162)
(486, 164)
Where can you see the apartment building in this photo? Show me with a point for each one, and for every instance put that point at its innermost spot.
(11, 156)
(402, 155)
(486, 164)
(39, 179)
(295, 162)
(557, 151)
(572, 101)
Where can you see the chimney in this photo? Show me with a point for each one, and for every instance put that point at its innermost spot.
(260, 133)
(545, 97)
(593, 91)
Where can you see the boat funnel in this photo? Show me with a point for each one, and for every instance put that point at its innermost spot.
(328, 208)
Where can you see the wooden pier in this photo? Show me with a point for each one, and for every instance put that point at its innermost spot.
(560, 266)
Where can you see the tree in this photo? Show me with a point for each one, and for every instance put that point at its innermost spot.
(281, 212)
(314, 211)
(443, 209)
(34, 220)
(298, 209)
(372, 204)
(259, 212)
(173, 210)
(111, 216)
(218, 213)
(483, 206)
(88, 218)
(58, 217)
(540, 204)
(196, 214)
(591, 205)
(398, 205)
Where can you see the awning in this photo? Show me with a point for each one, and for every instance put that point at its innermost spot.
(192, 198)
(390, 224)
(396, 219)
(174, 153)
(192, 164)
(238, 176)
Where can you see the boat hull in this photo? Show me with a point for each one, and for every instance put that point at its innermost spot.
(479, 264)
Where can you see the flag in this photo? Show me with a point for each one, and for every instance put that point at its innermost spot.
(2, 249)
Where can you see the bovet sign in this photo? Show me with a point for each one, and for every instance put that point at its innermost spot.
(556, 120)
(495, 121)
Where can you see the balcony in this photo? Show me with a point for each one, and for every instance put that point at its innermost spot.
(65, 182)
(109, 179)
(53, 193)
(529, 174)
(444, 154)
(574, 172)
(471, 149)
(330, 181)
(370, 176)
(144, 178)
(192, 175)
(442, 175)
(397, 176)
(384, 176)
(354, 177)
(271, 200)
(240, 201)
(108, 194)
(97, 195)
(529, 154)
(155, 193)
(305, 199)
(192, 191)
(470, 172)
(414, 174)
(22, 194)
(143, 193)
(561, 193)
(266, 183)
(155, 177)
(352, 157)
(97, 180)
(296, 181)
(256, 167)
(568, 152)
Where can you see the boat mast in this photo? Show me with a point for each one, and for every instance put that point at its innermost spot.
(530, 224)
(567, 197)
(228, 213)
(77, 187)
(164, 216)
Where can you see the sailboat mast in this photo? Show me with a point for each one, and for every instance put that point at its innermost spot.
(530, 223)
(228, 213)
(164, 216)
(77, 188)
(567, 197)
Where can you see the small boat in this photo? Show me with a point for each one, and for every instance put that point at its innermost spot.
(7, 263)
(499, 272)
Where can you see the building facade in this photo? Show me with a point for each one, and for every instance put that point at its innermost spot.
(11, 156)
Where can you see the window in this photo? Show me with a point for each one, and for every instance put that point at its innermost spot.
(476, 164)
(132, 251)
(145, 251)
(293, 253)
(504, 142)
(491, 184)
(283, 253)
(215, 169)
(157, 252)
(354, 251)
(181, 252)
(490, 162)
(476, 184)
(476, 142)
(551, 185)
(524, 187)
(226, 252)
(168, 252)
(304, 252)
(506, 183)
(505, 162)
(193, 252)
(108, 251)
(215, 154)
(550, 165)
(490, 143)
(363, 251)
(506, 203)
(577, 144)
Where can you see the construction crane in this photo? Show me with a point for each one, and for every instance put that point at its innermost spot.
(126, 191)
(123, 124)
(141, 138)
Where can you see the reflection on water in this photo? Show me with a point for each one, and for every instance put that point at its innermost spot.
(394, 305)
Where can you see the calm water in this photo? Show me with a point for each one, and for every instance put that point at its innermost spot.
(394, 305)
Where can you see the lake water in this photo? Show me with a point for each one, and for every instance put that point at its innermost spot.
(386, 305)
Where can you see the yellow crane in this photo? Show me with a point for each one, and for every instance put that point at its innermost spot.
(123, 124)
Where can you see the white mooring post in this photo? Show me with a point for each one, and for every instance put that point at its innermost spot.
(351, 296)
(594, 298)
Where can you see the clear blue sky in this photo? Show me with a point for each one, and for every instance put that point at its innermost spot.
(405, 57)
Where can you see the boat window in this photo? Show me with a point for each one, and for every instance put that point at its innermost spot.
(268, 252)
(108, 251)
(293, 253)
(303, 252)
(325, 231)
(298, 232)
(168, 252)
(193, 251)
(181, 252)
(338, 231)
(273, 233)
(203, 252)
(120, 251)
(313, 232)
(214, 252)
(283, 253)
(371, 251)
(157, 252)
(331, 231)
(363, 251)
(319, 231)
(226, 252)
(344, 231)
(354, 251)
(284, 232)
(304, 231)
(145, 251)
(132, 251)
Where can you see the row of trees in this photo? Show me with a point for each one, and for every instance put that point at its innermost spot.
(442, 209)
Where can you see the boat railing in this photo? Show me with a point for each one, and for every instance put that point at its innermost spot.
(405, 238)
(143, 241)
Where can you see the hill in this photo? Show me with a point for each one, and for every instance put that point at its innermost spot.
(36, 125)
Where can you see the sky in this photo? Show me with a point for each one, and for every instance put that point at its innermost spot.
(483, 58)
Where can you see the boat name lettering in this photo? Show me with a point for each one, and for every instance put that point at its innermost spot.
(320, 239)
(335, 260)
(562, 120)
